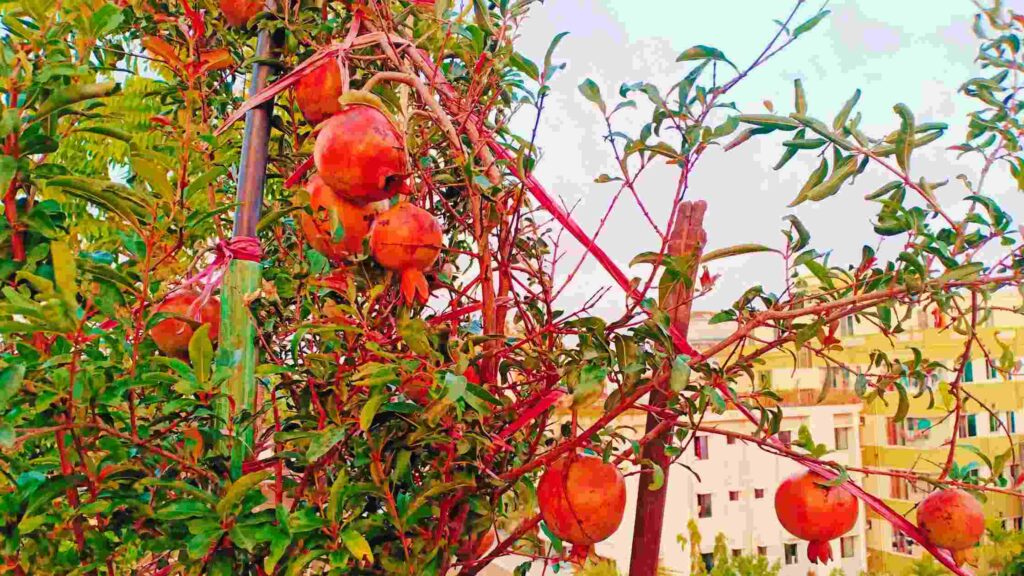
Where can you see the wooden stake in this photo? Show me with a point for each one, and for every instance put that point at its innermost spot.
(687, 239)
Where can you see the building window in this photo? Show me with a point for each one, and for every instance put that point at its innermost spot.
(790, 550)
(700, 447)
(762, 550)
(897, 488)
(902, 543)
(847, 546)
(730, 440)
(804, 358)
(1011, 421)
(709, 560)
(968, 426)
(842, 438)
(786, 437)
(758, 493)
(734, 495)
(1018, 523)
(737, 552)
(969, 371)
(704, 505)
(992, 373)
(846, 326)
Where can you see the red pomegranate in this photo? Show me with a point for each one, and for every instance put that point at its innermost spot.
(171, 334)
(360, 154)
(328, 211)
(317, 93)
(812, 511)
(407, 239)
(952, 519)
(417, 387)
(239, 12)
(582, 499)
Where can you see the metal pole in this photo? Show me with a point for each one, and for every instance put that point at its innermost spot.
(237, 351)
(688, 238)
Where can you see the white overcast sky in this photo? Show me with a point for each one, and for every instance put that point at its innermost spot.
(913, 51)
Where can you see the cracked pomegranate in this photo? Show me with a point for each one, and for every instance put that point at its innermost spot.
(239, 12)
(317, 93)
(582, 499)
(407, 239)
(814, 512)
(954, 520)
(330, 213)
(171, 334)
(361, 155)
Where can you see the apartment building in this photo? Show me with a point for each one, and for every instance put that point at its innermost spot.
(732, 483)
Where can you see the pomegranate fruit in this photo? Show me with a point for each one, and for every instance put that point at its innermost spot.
(171, 334)
(239, 12)
(417, 387)
(361, 155)
(954, 520)
(582, 499)
(317, 93)
(407, 239)
(328, 211)
(814, 512)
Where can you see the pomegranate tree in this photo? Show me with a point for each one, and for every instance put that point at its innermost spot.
(811, 510)
(312, 444)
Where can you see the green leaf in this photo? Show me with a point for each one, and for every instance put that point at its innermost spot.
(8, 169)
(590, 384)
(657, 475)
(238, 489)
(336, 498)
(769, 121)
(844, 113)
(905, 137)
(810, 23)
(964, 272)
(736, 250)
(813, 181)
(701, 52)
(591, 91)
(7, 435)
(105, 20)
(65, 271)
(551, 51)
(680, 375)
(324, 441)
(183, 508)
(803, 236)
(11, 378)
(904, 403)
(357, 545)
(73, 95)
(369, 411)
(800, 97)
(154, 175)
(200, 352)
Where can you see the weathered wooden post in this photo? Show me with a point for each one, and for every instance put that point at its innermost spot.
(237, 350)
(687, 239)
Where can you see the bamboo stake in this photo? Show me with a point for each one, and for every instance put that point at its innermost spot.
(237, 350)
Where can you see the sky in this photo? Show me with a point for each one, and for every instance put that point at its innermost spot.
(913, 51)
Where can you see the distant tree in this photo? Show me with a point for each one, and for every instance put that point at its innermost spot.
(927, 566)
